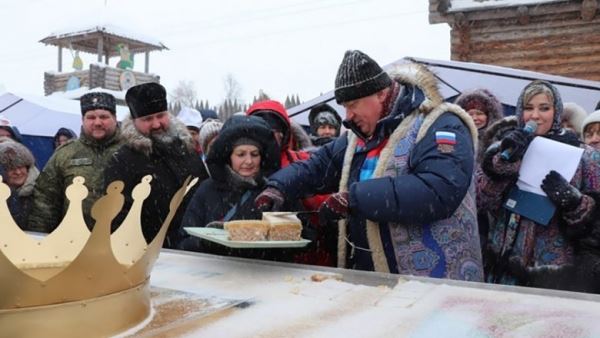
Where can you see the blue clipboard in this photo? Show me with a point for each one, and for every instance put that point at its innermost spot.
(537, 208)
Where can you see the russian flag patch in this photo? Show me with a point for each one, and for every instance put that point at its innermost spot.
(445, 137)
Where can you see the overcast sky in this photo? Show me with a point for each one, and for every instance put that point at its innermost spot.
(280, 46)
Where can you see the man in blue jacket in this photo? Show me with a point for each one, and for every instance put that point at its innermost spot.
(402, 176)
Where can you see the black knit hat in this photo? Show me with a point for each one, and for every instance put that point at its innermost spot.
(359, 76)
(98, 100)
(146, 99)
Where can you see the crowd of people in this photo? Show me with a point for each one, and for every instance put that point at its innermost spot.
(407, 183)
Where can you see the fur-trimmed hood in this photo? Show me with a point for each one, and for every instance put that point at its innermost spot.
(300, 136)
(489, 103)
(417, 75)
(139, 142)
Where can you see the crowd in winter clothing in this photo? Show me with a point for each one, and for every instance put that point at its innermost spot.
(407, 183)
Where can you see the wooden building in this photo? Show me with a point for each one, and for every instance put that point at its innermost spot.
(105, 41)
(551, 36)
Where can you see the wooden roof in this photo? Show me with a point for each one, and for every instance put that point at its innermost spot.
(549, 36)
(86, 40)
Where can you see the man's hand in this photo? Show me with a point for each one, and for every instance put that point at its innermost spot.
(270, 199)
(565, 196)
(335, 207)
(516, 142)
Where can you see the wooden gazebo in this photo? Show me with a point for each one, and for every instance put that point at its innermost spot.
(105, 41)
(560, 37)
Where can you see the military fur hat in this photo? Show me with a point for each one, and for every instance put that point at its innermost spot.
(98, 100)
(146, 99)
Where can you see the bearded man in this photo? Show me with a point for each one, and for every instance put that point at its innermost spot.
(154, 143)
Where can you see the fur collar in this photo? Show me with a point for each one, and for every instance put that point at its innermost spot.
(139, 142)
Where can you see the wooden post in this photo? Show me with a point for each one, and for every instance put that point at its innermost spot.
(106, 57)
(147, 65)
(100, 48)
(59, 59)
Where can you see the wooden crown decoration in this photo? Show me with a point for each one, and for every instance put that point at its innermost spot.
(76, 278)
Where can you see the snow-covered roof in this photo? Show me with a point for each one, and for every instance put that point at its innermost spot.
(456, 76)
(471, 5)
(84, 38)
(75, 94)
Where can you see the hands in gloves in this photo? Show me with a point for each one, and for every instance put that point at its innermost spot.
(335, 207)
(499, 169)
(565, 196)
(516, 142)
(270, 199)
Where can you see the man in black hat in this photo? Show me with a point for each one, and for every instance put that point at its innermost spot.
(158, 144)
(85, 157)
(401, 178)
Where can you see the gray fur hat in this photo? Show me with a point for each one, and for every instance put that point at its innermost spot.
(14, 155)
(208, 131)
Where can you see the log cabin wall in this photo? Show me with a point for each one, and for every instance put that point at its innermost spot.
(561, 38)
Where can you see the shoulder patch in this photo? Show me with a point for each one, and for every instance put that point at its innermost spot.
(446, 141)
(445, 137)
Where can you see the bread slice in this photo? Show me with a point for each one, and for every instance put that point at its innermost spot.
(283, 226)
(247, 230)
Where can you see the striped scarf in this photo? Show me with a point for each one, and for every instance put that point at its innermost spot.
(368, 167)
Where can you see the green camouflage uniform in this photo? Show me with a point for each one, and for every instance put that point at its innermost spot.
(86, 157)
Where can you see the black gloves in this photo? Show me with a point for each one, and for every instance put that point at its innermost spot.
(565, 196)
(515, 143)
(498, 170)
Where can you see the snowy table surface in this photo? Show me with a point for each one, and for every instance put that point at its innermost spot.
(283, 301)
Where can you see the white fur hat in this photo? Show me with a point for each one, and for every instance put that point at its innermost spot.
(592, 118)
(575, 114)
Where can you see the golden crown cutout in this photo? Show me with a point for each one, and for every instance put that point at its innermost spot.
(75, 272)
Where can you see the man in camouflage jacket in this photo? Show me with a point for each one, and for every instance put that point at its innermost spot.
(86, 157)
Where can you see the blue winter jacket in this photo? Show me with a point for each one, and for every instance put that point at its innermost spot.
(432, 189)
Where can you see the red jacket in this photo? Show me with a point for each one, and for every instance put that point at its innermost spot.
(317, 255)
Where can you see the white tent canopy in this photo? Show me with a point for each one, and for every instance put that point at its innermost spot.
(43, 116)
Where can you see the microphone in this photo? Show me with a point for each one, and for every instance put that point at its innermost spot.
(529, 128)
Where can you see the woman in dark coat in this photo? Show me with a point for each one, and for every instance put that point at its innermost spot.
(242, 156)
